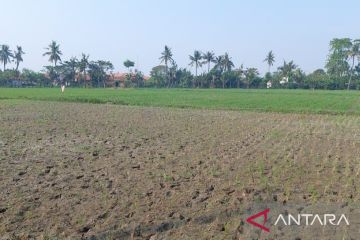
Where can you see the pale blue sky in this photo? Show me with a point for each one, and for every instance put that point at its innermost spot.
(139, 29)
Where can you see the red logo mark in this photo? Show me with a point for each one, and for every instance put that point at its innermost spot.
(263, 213)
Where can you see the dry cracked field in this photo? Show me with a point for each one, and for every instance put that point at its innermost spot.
(91, 171)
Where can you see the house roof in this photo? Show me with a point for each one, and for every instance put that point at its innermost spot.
(117, 76)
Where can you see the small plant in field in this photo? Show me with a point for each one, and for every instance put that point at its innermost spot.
(238, 181)
(228, 226)
(167, 178)
(314, 193)
(252, 173)
(187, 174)
(287, 192)
(261, 167)
(275, 134)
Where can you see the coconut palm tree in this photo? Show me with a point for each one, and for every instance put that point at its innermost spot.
(53, 52)
(5, 55)
(287, 69)
(270, 59)
(18, 56)
(209, 58)
(227, 63)
(166, 57)
(352, 54)
(196, 60)
(219, 63)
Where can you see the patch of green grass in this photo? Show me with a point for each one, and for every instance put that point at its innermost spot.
(167, 178)
(274, 100)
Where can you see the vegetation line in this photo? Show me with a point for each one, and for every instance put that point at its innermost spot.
(342, 71)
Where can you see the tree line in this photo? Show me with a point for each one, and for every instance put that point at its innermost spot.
(341, 71)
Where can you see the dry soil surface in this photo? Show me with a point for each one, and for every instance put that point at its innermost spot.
(72, 170)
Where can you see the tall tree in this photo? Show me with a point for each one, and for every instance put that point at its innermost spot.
(196, 60)
(18, 56)
(139, 78)
(53, 73)
(166, 57)
(98, 71)
(250, 75)
(83, 66)
(270, 59)
(209, 57)
(128, 64)
(241, 72)
(5, 55)
(287, 70)
(226, 66)
(105, 66)
(54, 53)
(95, 73)
(336, 64)
(219, 63)
(158, 75)
(172, 74)
(71, 67)
(227, 63)
(353, 53)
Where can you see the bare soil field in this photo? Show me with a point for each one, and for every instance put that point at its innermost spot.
(101, 171)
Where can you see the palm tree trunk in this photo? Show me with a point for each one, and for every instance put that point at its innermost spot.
(167, 73)
(195, 74)
(83, 79)
(16, 70)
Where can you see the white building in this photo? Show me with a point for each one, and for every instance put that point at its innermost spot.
(268, 84)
